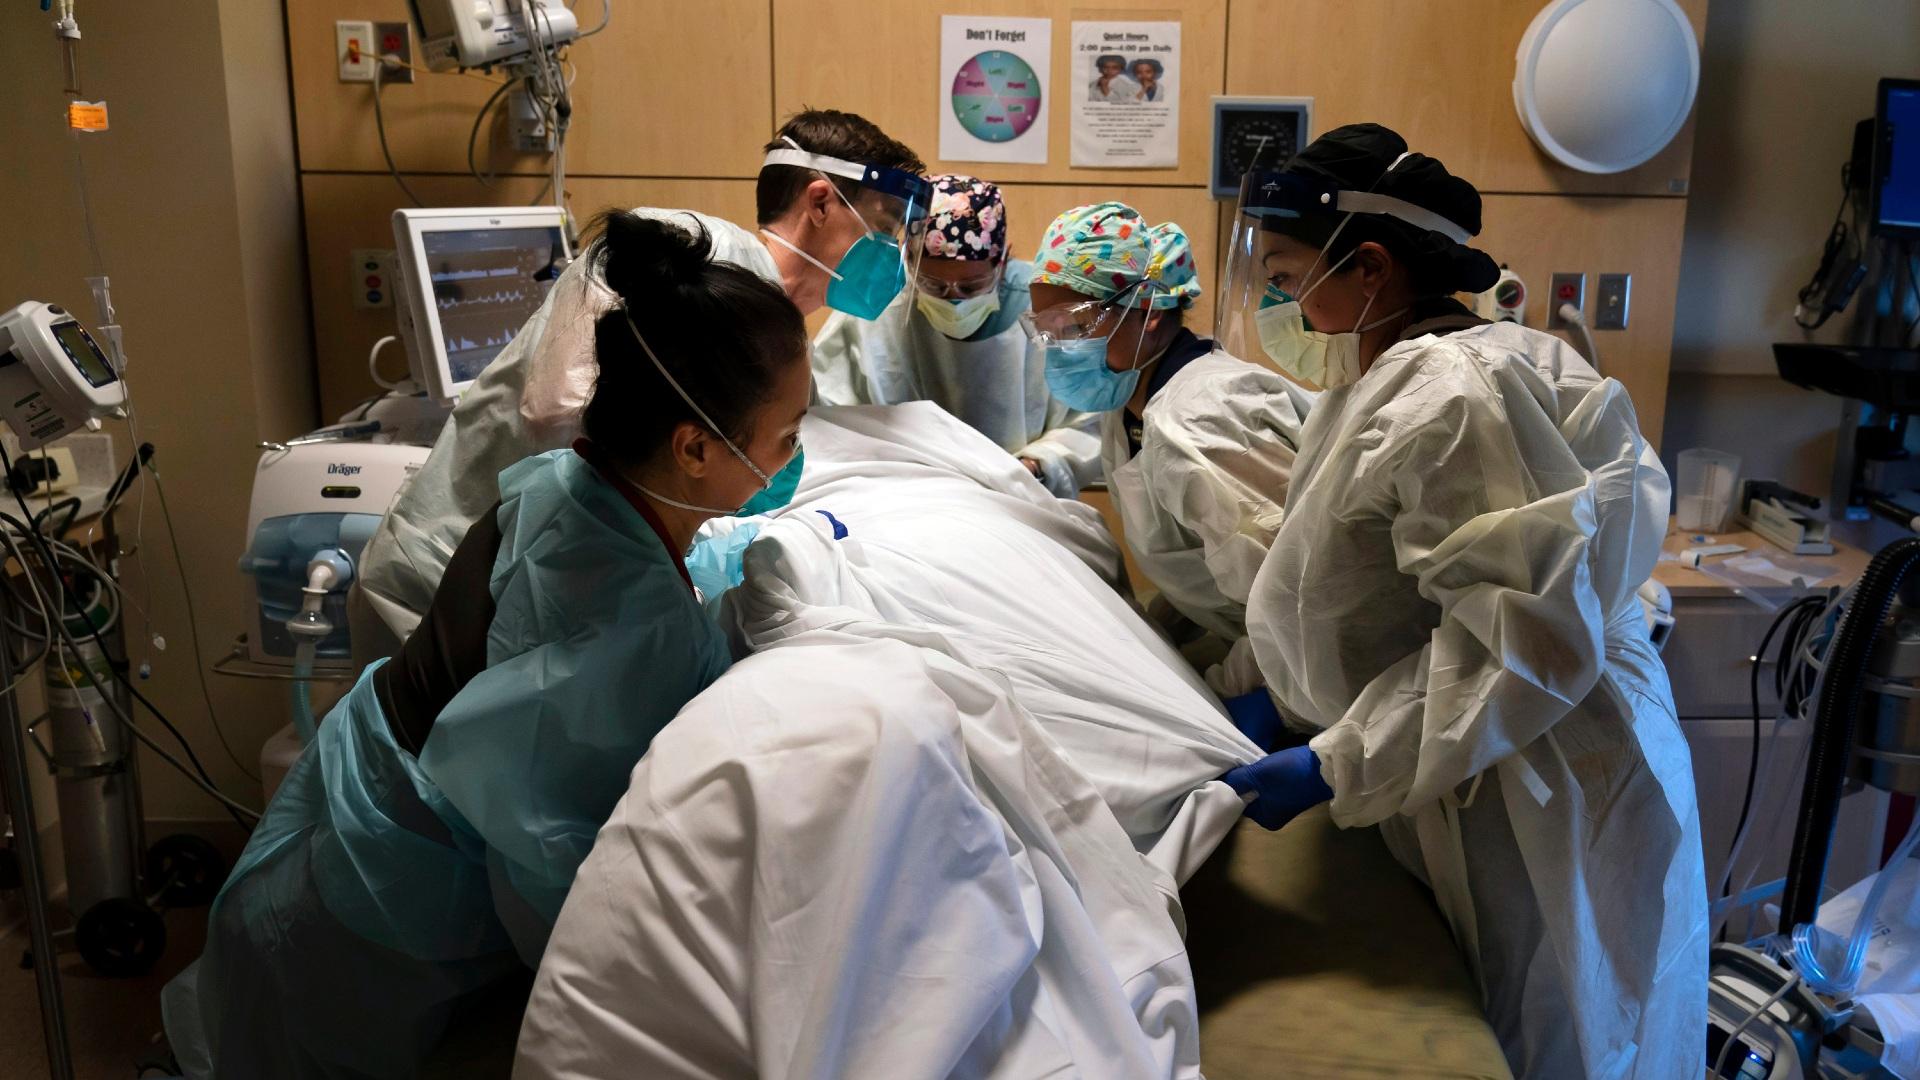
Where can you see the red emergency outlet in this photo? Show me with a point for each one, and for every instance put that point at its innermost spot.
(390, 43)
(1568, 292)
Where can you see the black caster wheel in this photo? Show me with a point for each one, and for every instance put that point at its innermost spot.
(121, 937)
(186, 870)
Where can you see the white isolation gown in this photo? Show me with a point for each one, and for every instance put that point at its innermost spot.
(1450, 602)
(1199, 504)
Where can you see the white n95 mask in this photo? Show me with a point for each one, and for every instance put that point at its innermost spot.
(1322, 360)
(958, 319)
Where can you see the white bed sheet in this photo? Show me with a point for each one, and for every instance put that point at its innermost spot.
(933, 827)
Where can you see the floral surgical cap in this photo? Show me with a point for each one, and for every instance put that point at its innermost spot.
(965, 220)
(1106, 249)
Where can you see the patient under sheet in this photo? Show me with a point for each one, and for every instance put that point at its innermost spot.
(933, 826)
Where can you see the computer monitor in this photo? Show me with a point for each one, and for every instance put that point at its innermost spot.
(1896, 165)
(469, 280)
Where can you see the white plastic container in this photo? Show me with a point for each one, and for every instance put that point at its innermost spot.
(1703, 491)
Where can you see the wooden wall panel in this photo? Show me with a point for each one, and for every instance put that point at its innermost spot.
(1537, 235)
(660, 93)
(890, 76)
(348, 212)
(1441, 74)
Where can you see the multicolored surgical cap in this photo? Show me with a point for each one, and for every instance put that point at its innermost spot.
(965, 220)
(1107, 249)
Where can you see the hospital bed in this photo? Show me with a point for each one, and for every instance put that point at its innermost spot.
(940, 818)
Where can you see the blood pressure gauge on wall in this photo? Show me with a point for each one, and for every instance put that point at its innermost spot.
(1250, 132)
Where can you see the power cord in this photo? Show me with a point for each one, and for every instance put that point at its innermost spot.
(1578, 320)
(380, 124)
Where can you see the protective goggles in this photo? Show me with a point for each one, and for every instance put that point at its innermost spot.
(959, 290)
(1077, 321)
(894, 202)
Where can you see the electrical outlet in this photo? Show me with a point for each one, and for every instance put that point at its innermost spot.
(395, 39)
(373, 278)
(353, 48)
(1611, 301)
(1565, 288)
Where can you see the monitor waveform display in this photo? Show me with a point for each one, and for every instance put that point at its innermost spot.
(486, 284)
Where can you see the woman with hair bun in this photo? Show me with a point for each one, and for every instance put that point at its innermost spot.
(420, 848)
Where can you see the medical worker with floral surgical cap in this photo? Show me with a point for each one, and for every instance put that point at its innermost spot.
(954, 339)
(1197, 445)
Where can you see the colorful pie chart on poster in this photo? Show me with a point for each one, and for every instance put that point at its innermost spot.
(996, 96)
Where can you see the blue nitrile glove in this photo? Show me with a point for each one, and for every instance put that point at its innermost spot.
(1284, 784)
(717, 563)
(1257, 718)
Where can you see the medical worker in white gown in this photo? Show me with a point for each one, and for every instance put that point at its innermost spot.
(529, 399)
(954, 339)
(1196, 443)
(1449, 605)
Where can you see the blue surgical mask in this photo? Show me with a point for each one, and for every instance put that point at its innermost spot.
(1078, 376)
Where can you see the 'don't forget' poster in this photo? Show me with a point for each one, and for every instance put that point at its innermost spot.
(1125, 84)
(992, 88)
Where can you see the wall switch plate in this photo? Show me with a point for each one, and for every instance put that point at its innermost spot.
(395, 39)
(353, 48)
(1565, 288)
(1611, 301)
(373, 277)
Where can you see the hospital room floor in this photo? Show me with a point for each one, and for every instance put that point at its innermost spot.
(111, 1023)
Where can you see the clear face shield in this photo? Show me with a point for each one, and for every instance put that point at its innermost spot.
(892, 205)
(1253, 280)
(1268, 201)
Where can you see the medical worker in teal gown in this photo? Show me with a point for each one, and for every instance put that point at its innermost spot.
(420, 848)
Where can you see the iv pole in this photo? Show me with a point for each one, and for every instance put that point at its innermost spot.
(26, 844)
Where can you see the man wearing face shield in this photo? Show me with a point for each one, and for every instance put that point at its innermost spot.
(1449, 606)
(955, 339)
(840, 206)
(1196, 444)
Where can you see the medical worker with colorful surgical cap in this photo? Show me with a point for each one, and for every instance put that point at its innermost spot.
(1449, 607)
(1197, 444)
(419, 850)
(954, 338)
